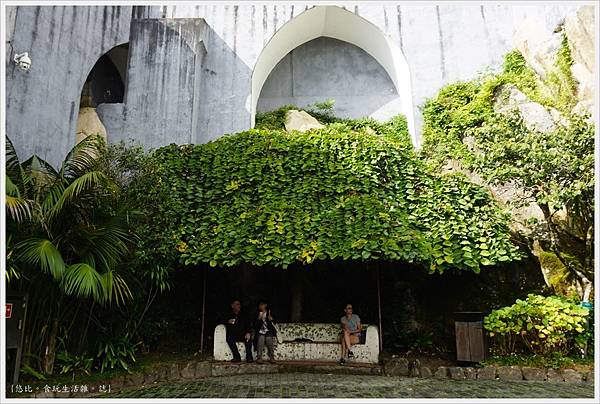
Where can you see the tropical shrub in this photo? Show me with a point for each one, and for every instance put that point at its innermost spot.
(74, 364)
(68, 234)
(117, 353)
(539, 325)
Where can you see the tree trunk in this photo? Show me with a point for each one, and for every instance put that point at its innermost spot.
(298, 279)
(50, 353)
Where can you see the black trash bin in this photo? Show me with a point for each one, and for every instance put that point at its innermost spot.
(471, 344)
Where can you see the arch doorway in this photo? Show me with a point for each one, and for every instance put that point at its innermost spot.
(332, 26)
(105, 84)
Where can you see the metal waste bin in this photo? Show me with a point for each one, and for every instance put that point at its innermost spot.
(471, 344)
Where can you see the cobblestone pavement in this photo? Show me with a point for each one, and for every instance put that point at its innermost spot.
(305, 385)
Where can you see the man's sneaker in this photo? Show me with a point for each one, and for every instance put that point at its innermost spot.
(342, 361)
(235, 360)
(350, 355)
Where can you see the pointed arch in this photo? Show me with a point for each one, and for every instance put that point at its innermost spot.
(338, 23)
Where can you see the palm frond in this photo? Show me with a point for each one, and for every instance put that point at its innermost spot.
(82, 280)
(12, 160)
(18, 208)
(82, 157)
(11, 188)
(13, 272)
(39, 175)
(116, 288)
(53, 196)
(76, 188)
(14, 169)
(109, 245)
(43, 254)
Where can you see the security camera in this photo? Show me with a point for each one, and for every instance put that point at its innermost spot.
(23, 61)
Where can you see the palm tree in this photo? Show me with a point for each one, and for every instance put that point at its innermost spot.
(65, 230)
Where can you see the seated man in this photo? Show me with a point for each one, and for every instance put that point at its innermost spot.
(238, 329)
(352, 329)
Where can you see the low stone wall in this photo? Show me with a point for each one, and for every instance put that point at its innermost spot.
(397, 367)
(413, 368)
(198, 370)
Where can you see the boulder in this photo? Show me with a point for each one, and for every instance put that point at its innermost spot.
(88, 123)
(508, 99)
(589, 377)
(133, 379)
(470, 373)
(487, 373)
(456, 373)
(203, 369)
(441, 372)
(572, 376)
(396, 367)
(300, 121)
(174, 372)
(554, 376)
(189, 370)
(510, 373)
(537, 374)
(425, 372)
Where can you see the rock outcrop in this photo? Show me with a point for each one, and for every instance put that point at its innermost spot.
(538, 46)
(509, 99)
(579, 29)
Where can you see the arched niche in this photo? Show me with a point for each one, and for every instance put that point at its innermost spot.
(105, 84)
(338, 23)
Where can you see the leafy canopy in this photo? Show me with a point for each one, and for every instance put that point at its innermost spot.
(352, 190)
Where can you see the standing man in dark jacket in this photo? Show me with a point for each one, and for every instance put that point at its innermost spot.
(238, 328)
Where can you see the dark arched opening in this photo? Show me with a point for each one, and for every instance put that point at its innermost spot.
(106, 81)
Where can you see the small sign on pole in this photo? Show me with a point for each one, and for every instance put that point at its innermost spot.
(8, 310)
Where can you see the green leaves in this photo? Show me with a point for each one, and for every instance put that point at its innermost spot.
(43, 254)
(83, 281)
(68, 224)
(544, 325)
(341, 192)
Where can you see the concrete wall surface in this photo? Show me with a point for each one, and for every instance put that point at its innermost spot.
(329, 68)
(64, 43)
(192, 76)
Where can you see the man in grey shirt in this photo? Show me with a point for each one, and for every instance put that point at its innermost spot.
(352, 329)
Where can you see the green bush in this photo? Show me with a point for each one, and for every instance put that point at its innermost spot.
(74, 364)
(117, 353)
(539, 325)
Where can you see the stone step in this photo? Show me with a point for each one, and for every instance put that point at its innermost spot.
(228, 368)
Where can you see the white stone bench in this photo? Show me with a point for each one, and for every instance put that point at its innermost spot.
(324, 346)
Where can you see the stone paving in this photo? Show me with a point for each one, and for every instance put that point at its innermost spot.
(310, 385)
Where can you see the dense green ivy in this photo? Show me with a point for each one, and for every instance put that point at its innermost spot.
(353, 190)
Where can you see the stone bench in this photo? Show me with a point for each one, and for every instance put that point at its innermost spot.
(324, 345)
